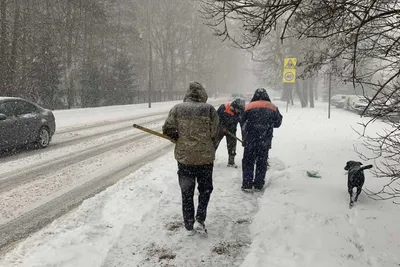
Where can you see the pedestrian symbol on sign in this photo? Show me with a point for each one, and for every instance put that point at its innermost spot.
(289, 65)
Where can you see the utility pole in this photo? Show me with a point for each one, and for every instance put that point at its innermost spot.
(150, 50)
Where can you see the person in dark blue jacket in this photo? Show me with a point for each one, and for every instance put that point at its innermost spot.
(229, 117)
(259, 120)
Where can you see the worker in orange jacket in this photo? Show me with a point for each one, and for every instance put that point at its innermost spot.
(229, 118)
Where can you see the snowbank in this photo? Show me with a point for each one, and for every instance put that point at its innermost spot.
(87, 116)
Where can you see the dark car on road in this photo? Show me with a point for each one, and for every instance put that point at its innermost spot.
(23, 122)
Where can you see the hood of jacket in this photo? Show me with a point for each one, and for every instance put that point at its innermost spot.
(261, 94)
(196, 93)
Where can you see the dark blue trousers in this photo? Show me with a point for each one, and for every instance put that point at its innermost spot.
(255, 156)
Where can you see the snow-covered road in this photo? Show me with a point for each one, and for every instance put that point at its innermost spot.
(298, 221)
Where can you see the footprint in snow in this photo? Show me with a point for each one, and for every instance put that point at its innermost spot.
(173, 226)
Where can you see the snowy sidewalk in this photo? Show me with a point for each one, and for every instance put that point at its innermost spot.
(306, 222)
(138, 222)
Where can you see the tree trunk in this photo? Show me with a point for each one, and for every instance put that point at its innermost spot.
(32, 47)
(311, 94)
(300, 95)
(85, 38)
(164, 62)
(70, 27)
(3, 47)
(23, 54)
(53, 88)
(172, 67)
(183, 66)
(316, 86)
(305, 91)
(14, 45)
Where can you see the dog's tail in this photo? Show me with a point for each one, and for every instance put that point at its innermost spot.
(366, 167)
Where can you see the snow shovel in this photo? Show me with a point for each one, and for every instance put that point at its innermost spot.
(231, 134)
(147, 130)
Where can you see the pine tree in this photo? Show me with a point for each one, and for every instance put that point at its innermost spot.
(91, 84)
(121, 83)
(46, 72)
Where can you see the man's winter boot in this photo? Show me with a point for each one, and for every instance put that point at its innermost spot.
(231, 162)
(258, 189)
(247, 189)
(190, 229)
(200, 226)
(190, 232)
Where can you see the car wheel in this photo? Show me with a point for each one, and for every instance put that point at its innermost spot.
(44, 137)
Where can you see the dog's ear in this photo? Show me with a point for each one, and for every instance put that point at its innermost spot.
(352, 163)
(347, 167)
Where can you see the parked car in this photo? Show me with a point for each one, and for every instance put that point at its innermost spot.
(23, 122)
(356, 103)
(338, 101)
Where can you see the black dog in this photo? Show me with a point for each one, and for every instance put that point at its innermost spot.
(355, 178)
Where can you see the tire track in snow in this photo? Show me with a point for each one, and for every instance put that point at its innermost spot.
(56, 145)
(106, 123)
(25, 197)
(126, 119)
(59, 142)
(28, 174)
(39, 217)
(78, 140)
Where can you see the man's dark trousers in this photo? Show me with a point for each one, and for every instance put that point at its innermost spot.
(188, 174)
(254, 155)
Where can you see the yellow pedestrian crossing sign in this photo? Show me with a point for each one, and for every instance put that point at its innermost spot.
(289, 70)
(290, 63)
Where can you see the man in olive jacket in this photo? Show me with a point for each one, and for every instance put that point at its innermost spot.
(193, 124)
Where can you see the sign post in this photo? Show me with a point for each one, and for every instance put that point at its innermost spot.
(289, 74)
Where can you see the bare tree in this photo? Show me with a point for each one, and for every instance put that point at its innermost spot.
(360, 37)
(184, 49)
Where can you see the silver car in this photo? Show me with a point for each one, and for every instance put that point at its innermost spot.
(23, 122)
